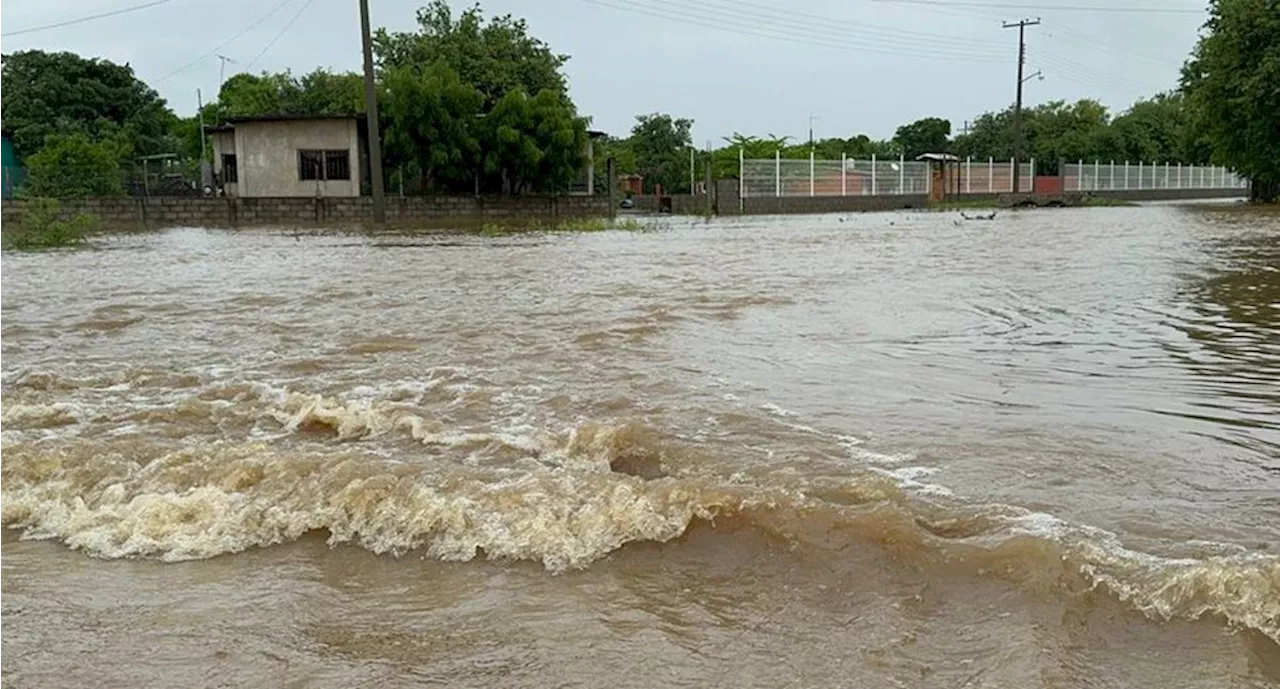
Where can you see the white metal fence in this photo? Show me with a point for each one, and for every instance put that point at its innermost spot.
(845, 177)
(1125, 176)
(876, 177)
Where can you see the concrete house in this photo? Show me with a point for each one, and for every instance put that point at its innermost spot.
(285, 155)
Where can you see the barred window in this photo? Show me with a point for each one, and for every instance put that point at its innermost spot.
(337, 165)
(310, 165)
(319, 165)
(229, 173)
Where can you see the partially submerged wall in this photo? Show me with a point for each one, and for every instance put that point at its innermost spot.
(414, 211)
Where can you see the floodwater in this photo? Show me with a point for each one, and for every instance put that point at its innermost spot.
(879, 450)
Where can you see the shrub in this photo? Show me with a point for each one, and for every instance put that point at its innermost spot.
(41, 228)
(74, 166)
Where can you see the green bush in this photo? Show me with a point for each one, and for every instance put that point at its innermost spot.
(41, 228)
(74, 166)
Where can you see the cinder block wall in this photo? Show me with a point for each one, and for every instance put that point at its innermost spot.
(425, 211)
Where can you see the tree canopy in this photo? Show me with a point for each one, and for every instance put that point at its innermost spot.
(73, 165)
(929, 135)
(64, 93)
(435, 117)
(1233, 84)
(496, 57)
(661, 146)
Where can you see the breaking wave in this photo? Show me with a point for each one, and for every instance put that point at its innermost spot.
(563, 499)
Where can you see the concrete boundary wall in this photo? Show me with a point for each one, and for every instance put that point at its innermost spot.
(414, 211)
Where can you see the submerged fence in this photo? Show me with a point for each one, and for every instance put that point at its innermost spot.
(875, 177)
(1113, 176)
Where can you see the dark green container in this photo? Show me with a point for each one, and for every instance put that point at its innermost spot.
(8, 168)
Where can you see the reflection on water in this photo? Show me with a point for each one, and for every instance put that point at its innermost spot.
(873, 450)
(1234, 338)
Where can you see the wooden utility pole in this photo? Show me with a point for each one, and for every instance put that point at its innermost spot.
(371, 118)
(1017, 103)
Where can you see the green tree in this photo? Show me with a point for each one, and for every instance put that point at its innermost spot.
(322, 92)
(661, 145)
(1232, 83)
(496, 57)
(533, 144)
(63, 93)
(432, 125)
(929, 135)
(74, 166)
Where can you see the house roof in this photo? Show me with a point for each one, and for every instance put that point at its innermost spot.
(290, 118)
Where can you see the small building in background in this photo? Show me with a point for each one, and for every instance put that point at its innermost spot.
(12, 170)
(286, 155)
(631, 184)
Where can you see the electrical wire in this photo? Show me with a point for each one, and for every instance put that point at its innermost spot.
(1048, 8)
(733, 14)
(1065, 63)
(86, 18)
(286, 28)
(256, 23)
(831, 24)
(738, 27)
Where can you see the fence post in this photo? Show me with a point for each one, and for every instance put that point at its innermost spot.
(777, 173)
(811, 172)
(844, 182)
(1140, 184)
(968, 174)
(1012, 162)
(1178, 185)
(742, 175)
(1097, 174)
(1112, 184)
(1032, 176)
(1166, 174)
(873, 174)
(991, 175)
(902, 174)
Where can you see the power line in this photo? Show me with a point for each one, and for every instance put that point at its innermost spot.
(86, 18)
(1046, 8)
(1062, 62)
(728, 25)
(286, 28)
(733, 14)
(830, 23)
(256, 23)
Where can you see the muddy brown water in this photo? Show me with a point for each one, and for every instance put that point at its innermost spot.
(881, 450)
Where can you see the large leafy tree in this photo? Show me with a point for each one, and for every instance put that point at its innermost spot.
(661, 145)
(435, 127)
(318, 93)
(63, 93)
(533, 144)
(929, 135)
(496, 57)
(1233, 84)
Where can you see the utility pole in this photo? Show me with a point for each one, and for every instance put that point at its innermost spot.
(206, 175)
(222, 69)
(371, 118)
(812, 117)
(1017, 103)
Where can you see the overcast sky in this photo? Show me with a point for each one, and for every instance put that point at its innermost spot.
(751, 66)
